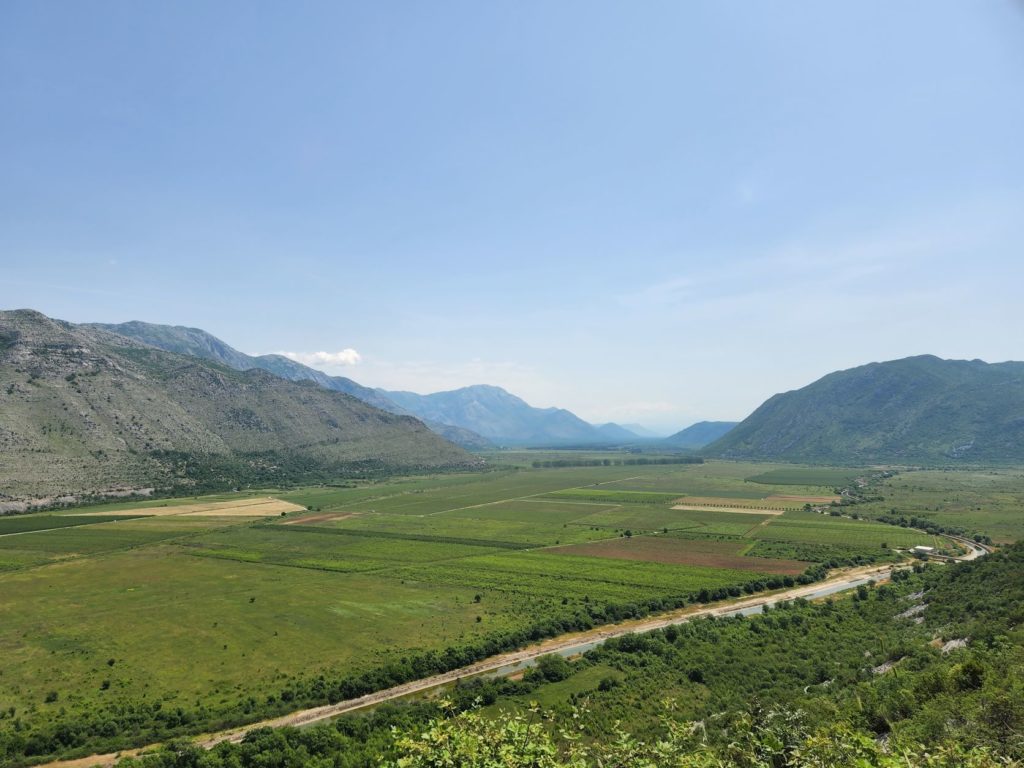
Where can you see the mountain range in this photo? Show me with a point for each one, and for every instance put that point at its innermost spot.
(504, 418)
(88, 408)
(85, 410)
(474, 417)
(199, 343)
(918, 409)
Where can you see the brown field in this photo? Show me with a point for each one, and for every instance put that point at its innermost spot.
(737, 510)
(718, 501)
(319, 518)
(673, 551)
(803, 499)
(266, 507)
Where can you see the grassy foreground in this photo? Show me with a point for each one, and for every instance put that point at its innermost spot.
(128, 631)
(924, 673)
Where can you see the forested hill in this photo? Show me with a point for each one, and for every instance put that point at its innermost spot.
(919, 409)
(85, 410)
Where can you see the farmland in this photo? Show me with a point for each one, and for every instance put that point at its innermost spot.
(675, 550)
(805, 476)
(267, 601)
(988, 501)
(30, 523)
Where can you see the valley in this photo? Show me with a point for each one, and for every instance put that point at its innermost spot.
(187, 615)
(511, 385)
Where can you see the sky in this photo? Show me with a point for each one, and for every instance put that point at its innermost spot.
(651, 213)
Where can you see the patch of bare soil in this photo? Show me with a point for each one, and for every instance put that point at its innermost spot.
(265, 507)
(320, 518)
(737, 510)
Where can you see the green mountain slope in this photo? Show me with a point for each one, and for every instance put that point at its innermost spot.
(85, 410)
(199, 343)
(700, 434)
(919, 409)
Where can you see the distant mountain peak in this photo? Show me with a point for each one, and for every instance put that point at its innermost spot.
(501, 416)
(472, 416)
(199, 343)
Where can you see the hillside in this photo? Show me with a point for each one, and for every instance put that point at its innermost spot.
(85, 410)
(700, 434)
(919, 409)
(199, 343)
(499, 416)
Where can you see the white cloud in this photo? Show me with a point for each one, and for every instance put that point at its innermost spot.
(343, 357)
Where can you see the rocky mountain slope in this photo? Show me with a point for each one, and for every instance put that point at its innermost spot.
(474, 417)
(197, 342)
(84, 410)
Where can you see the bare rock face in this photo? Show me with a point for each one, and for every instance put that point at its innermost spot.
(83, 410)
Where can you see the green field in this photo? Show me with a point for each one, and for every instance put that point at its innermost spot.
(822, 529)
(531, 511)
(806, 476)
(327, 549)
(615, 496)
(989, 501)
(231, 620)
(576, 579)
(529, 533)
(28, 523)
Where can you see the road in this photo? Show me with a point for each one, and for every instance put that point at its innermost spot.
(974, 549)
(506, 663)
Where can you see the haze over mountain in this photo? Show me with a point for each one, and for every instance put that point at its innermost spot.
(617, 432)
(918, 409)
(197, 342)
(700, 434)
(502, 417)
(641, 431)
(85, 410)
(474, 417)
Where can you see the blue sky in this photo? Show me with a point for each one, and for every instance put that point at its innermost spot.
(644, 212)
